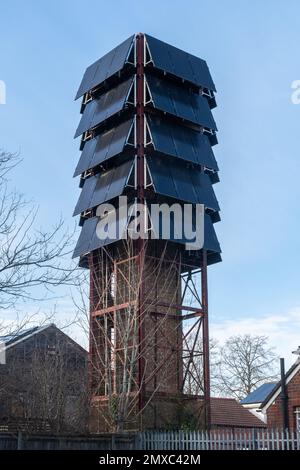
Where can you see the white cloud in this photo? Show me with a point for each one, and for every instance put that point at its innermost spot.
(283, 331)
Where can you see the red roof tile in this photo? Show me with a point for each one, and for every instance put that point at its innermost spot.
(229, 412)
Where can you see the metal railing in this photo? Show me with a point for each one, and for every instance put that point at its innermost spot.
(247, 439)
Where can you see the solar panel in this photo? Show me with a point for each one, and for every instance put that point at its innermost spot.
(89, 240)
(85, 237)
(211, 242)
(179, 63)
(183, 183)
(96, 111)
(181, 142)
(103, 147)
(114, 225)
(181, 102)
(103, 187)
(108, 65)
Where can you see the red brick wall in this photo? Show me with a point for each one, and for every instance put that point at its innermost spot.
(274, 413)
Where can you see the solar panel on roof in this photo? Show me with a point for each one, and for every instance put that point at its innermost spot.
(104, 68)
(110, 103)
(180, 102)
(181, 142)
(103, 187)
(183, 183)
(179, 63)
(103, 147)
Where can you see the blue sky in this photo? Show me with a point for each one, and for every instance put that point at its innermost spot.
(252, 49)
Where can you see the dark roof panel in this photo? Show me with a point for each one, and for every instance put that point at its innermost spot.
(103, 187)
(110, 103)
(183, 183)
(181, 102)
(103, 147)
(260, 394)
(108, 65)
(181, 142)
(179, 63)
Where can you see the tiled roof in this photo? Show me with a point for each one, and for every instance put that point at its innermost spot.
(260, 394)
(230, 413)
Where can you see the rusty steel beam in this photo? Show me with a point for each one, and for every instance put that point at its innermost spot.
(205, 340)
(140, 141)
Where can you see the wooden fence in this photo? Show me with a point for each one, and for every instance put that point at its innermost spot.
(23, 441)
(252, 439)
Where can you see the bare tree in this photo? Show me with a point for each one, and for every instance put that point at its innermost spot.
(244, 363)
(29, 257)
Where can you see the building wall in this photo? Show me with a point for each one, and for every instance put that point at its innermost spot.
(274, 413)
(44, 382)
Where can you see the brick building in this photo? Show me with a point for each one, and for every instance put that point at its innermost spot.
(43, 382)
(272, 405)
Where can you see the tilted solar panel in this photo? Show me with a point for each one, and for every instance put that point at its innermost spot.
(180, 102)
(103, 187)
(181, 142)
(97, 110)
(183, 183)
(103, 147)
(179, 63)
(103, 68)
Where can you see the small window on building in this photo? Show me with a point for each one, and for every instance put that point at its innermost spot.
(297, 419)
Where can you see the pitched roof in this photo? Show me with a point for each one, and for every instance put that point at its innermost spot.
(13, 339)
(228, 412)
(293, 370)
(16, 337)
(259, 395)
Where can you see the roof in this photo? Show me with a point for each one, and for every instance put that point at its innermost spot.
(228, 412)
(293, 370)
(260, 394)
(13, 339)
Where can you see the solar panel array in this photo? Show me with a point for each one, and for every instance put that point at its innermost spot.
(179, 136)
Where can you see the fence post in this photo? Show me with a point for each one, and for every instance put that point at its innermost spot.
(137, 441)
(254, 439)
(113, 442)
(20, 441)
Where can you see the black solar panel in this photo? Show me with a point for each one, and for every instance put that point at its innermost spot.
(105, 67)
(103, 187)
(86, 235)
(181, 142)
(96, 111)
(180, 102)
(89, 240)
(178, 151)
(113, 226)
(103, 147)
(183, 183)
(179, 63)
